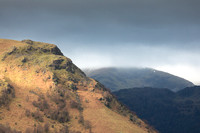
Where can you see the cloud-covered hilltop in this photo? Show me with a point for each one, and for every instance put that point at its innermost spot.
(121, 78)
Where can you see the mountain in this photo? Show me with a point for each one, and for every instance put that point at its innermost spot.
(120, 78)
(167, 111)
(42, 91)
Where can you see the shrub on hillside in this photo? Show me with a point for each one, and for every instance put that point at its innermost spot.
(42, 104)
(64, 129)
(28, 113)
(46, 127)
(75, 132)
(81, 120)
(87, 124)
(38, 116)
(7, 129)
(39, 129)
(6, 93)
(74, 104)
(59, 115)
(29, 130)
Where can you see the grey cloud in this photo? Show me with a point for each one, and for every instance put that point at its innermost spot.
(150, 22)
(128, 32)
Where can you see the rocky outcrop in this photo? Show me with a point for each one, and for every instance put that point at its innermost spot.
(53, 49)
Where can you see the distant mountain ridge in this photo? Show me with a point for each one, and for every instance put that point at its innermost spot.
(167, 111)
(120, 78)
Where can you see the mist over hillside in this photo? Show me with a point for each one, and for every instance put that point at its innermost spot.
(120, 78)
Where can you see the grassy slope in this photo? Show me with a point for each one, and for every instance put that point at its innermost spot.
(6, 44)
(37, 69)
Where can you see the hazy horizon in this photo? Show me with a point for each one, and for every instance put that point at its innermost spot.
(133, 67)
(118, 33)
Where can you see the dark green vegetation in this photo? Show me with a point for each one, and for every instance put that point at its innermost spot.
(7, 92)
(167, 111)
(120, 78)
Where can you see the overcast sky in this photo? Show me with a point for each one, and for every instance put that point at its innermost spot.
(162, 34)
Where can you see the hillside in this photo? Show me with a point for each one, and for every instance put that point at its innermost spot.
(43, 91)
(120, 78)
(167, 111)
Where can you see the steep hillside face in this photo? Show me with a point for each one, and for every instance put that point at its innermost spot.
(167, 111)
(120, 78)
(43, 91)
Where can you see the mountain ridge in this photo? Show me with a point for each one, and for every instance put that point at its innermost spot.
(120, 78)
(51, 94)
(164, 108)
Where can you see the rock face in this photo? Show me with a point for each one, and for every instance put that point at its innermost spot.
(54, 49)
(48, 93)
